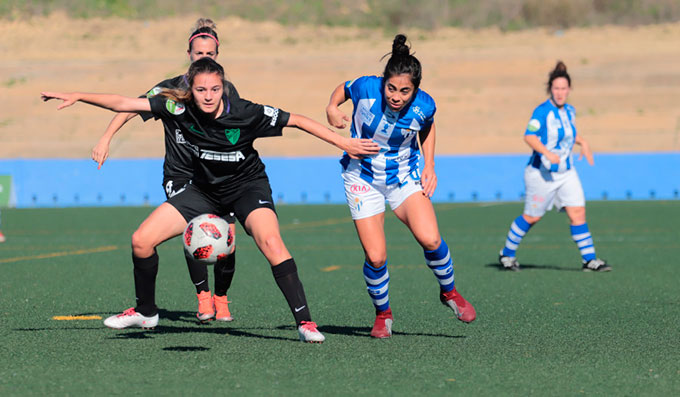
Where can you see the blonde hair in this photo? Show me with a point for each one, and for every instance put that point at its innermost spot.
(206, 28)
(203, 23)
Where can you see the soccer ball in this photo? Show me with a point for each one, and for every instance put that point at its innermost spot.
(208, 238)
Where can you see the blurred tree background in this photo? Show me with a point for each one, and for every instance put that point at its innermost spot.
(387, 14)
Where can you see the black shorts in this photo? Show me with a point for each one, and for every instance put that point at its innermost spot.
(194, 201)
(173, 185)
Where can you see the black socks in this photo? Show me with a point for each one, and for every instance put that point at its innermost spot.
(145, 270)
(289, 283)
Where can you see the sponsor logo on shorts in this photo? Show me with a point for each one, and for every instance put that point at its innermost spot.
(358, 204)
(538, 199)
(264, 202)
(359, 189)
(229, 157)
(273, 113)
(174, 107)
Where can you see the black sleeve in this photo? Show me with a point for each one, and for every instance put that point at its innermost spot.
(164, 108)
(157, 89)
(266, 120)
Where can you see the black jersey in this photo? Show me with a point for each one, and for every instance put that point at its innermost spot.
(177, 162)
(224, 158)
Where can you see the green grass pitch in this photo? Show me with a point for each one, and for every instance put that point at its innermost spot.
(550, 329)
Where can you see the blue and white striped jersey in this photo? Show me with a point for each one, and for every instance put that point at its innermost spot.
(394, 132)
(556, 129)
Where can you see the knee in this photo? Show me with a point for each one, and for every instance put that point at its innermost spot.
(577, 216)
(531, 219)
(431, 243)
(376, 258)
(272, 245)
(141, 244)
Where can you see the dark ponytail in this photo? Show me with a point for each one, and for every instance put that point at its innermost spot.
(560, 70)
(403, 62)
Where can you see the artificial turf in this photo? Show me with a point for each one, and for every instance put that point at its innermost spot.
(549, 329)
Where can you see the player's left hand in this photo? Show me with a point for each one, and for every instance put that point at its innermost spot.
(67, 98)
(428, 180)
(585, 151)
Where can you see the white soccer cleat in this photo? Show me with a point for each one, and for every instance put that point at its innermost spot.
(508, 262)
(596, 265)
(130, 318)
(309, 333)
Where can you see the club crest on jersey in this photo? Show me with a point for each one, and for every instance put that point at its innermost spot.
(154, 91)
(534, 125)
(174, 107)
(233, 135)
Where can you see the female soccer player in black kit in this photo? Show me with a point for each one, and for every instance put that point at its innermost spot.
(228, 176)
(178, 171)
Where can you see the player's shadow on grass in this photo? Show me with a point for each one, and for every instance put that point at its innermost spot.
(228, 329)
(366, 332)
(529, 266)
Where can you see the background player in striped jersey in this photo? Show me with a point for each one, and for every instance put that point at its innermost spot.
(178, 171)
(228, 175)
(550, 177)
(392, 111)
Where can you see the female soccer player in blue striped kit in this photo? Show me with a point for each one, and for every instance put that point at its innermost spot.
(550, 177)
(392, 110)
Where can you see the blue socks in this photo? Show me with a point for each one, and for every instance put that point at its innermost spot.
(518, 229)
(439, 261)
(584, 241)
(378, 283)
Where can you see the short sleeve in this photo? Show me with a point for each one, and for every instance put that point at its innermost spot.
(165, 108)
(537, 123)
(353, 88)
(150, 94)
(266, 121)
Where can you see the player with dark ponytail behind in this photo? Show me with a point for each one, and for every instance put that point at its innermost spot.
(550, 178)
(393, 110)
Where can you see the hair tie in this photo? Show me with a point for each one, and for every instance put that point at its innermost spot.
(204, 34)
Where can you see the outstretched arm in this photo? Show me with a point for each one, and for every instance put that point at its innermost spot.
(585, 149)
(100, 152)
(117, 103)
(335, 116)
(429, 178)
(354, 147)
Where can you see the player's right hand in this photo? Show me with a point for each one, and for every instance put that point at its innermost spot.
(336, 117)
(554, 159)
(100, 153)
(67, 98)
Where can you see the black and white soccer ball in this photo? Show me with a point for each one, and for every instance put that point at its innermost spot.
(208, 238)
